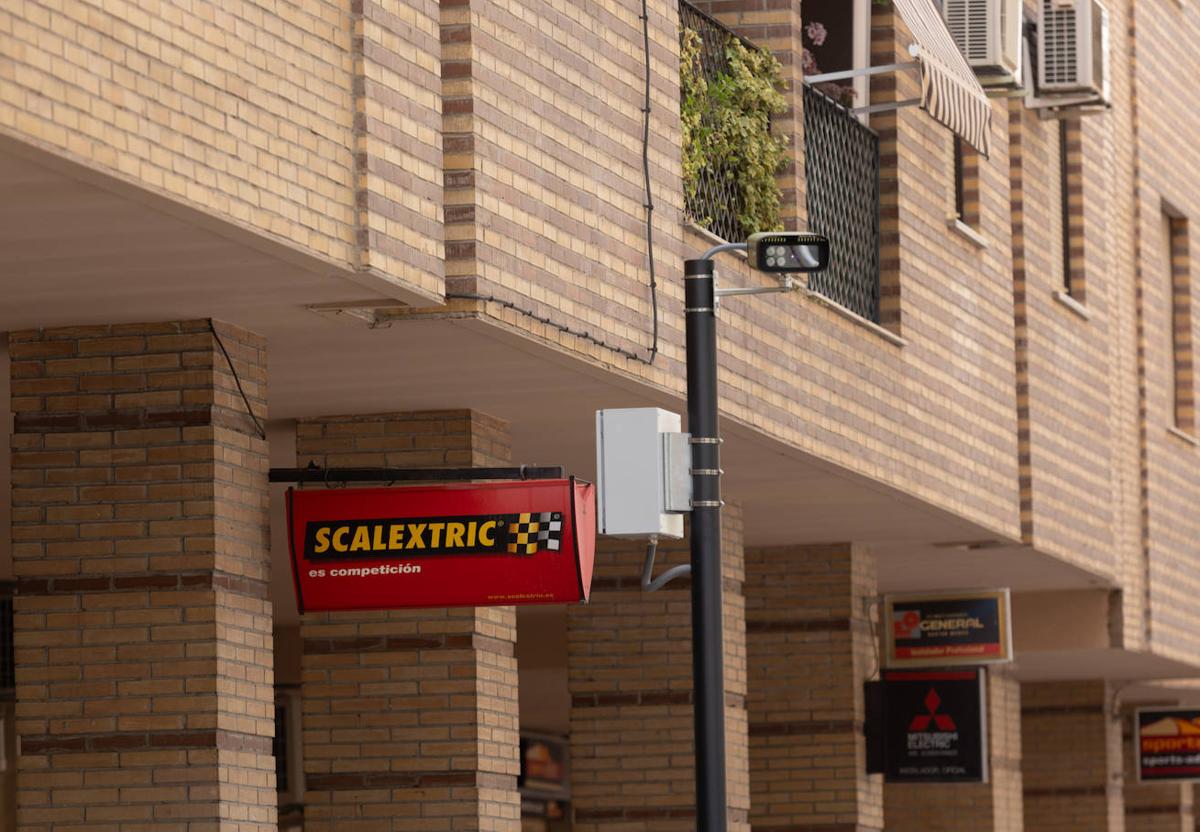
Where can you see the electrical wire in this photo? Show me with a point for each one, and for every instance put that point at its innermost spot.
(649, 582)
(649, 204)
(262, 433)
(542, 319)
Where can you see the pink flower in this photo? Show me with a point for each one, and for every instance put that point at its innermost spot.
(816, 33)
(808, 64)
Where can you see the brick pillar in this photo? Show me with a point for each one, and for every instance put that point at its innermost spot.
(143, 629)
(630, 677)
(1071, 758)
(1153, 807)
(995, 806)
(410, 717)
(810, 647)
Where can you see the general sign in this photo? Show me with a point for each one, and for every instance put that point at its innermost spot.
(485, 544)
(940, 630)
(934, 726)
(1168, 744)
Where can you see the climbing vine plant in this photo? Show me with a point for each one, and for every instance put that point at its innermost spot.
(728, 146)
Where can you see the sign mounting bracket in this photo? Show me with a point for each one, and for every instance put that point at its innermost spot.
(317, 474)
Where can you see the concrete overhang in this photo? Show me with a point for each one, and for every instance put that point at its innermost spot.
(1110, 663)
(76, 253)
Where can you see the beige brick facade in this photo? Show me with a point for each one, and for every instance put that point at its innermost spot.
(630, 679)
(143, 629)
(810, 647)
(1031, 382)
(241, 110)
(1071, 754)
(410, 717)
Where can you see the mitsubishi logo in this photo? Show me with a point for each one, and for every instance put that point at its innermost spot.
(942, 721)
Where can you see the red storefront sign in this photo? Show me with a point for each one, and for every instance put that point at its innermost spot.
(489, 544)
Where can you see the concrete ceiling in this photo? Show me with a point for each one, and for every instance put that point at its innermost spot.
(1110, 663)
(72, 253)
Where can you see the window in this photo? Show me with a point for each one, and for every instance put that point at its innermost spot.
(1178, 290)
(1070, 162)
(966, 183)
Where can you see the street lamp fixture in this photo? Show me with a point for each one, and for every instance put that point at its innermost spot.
(777, 253)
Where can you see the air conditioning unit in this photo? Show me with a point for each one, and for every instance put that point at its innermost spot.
(1073, 53)
(988, 33)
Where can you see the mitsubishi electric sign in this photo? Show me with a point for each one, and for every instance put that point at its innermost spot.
(940, 630)
(934, 727)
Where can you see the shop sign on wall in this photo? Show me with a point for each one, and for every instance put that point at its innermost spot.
(1168, 745)
(941, 629)
(487, 544)
(933, 726)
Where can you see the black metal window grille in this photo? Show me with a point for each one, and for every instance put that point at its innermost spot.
(841, 171)
(716, 203)
(8, 665)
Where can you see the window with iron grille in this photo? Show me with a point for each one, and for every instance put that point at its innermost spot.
(841, 170)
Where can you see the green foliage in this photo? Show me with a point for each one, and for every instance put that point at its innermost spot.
(727, 130)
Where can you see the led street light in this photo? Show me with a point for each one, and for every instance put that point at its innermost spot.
(788, 251)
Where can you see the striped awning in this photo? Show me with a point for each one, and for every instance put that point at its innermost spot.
(949, 90)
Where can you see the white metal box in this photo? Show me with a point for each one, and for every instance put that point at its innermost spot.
(988, 33)
(1073, 49)
(637, 472)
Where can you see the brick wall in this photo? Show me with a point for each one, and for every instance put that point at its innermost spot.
(543, 199)
(241, 110)
(398, 142)
(570, 247)
(1075, 361)
(630, 676)
(1168, 167)
(315, 124)
(1071, 757)
(143, 629)
(810, 647)
(410, 717)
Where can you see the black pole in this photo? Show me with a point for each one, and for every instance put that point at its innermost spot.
(708, 657)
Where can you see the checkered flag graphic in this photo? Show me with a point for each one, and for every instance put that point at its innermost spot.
(535, 531)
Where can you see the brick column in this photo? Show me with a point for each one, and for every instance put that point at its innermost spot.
(1153, 807)
(143, 629)
(810, 648)
(1071, 758)
(410, 717)
(995, 806)
(630, 678)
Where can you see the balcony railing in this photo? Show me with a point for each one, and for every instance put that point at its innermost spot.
(714, 195)
(841, 171)
(713, 202)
